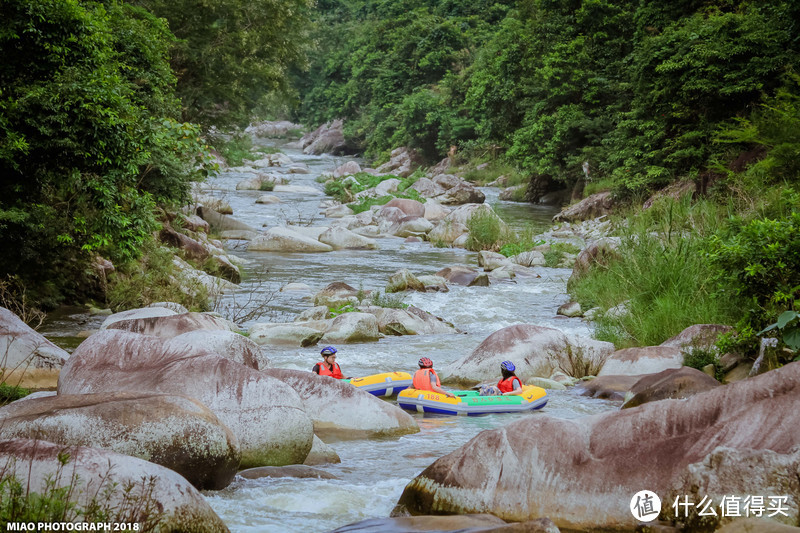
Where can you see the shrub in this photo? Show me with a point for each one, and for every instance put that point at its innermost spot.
(553, 256)
(266, 185)
(391, 302)
(574, 362)
(700, 358)
(9, 393)
(486, 231)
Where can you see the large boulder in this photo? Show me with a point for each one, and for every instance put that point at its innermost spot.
(267, 417)
(177, 432)
(583, 473)
(459, 274)
(281, 239)
(447, 231)
(535, 350)
(411, 226)
(461, 194)
(702, 336)
(347, 169)
(592, 207)
(341, 410)
(159, 499)
(321, 454)
(409, 321)
(427, 188)
(404, 280)
(607, 387)
(171, 326)
(352, 327)
(301, 334)
(470, 523)
(671, 383)
(26, 357)
(642, 360)
(151, 311)
(220, 222)
(336, 294)
(411, 208)
(228, 344)
(403, 162)
(327, 139)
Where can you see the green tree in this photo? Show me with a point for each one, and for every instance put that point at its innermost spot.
(232, 54)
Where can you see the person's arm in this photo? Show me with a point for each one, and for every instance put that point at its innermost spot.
(441, 390)
(316, 369)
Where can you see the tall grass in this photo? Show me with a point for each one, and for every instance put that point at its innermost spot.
(662, 276)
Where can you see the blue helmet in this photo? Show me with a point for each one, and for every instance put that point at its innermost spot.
(328, 350)
(508, 365)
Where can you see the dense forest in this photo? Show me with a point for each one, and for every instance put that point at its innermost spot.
(108, 111)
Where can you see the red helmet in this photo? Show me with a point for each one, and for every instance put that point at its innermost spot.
(425, 363)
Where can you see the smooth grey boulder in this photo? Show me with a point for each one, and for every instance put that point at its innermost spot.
(160, 499)
(26, 357)
(642, 360)
(279, 239)
(176, 432)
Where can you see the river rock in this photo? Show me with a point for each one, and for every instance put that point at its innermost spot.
(570, 309)
(403, 162)
(135, 314)
(411, 226)
(447, 232)
(342, 239)
(26, 357)
(591, 207)
(491, 260)
(460, 275)
(409, 321)
(545, 383)
(268, 199)
(338, 211)
(352, 327)
(319, 312)
(321, 454)
(190, 248)
(177, 432)
(295, 471)
(404, 280)
(272, 129)
(447, 181)
(191, 279)
(529, 259)
(434, 211)
(610, 387)
(347, 169)
(267, 417)
(297, 189)
(427, 188)
(387, 216)
(386, 187)
(642, 360)
(336, 294)
(535, 350)
(219, 205)
(463, 213)
(434, 283)
(301, 334)
(239, 235)
(327, 139)
(231, 345)
(195, 223)
(757, 525)
(280, 239)
(175, 506)
(340, 410)
(411, 208)
(702, 336)
(671, 383)
(220, 222)
(600, 252)
(582, 473)
(172, 306)
(464, 193)
(171, 326)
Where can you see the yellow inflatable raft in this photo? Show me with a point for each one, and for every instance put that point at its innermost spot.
(471, 403)
(386, 384)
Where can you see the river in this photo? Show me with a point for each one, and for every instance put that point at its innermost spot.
(374, 472)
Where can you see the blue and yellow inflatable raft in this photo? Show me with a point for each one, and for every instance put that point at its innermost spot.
(471, 403)
(386, 384)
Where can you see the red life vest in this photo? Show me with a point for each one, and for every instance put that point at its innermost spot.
(507, 385)
(422, 379)
(335, 372)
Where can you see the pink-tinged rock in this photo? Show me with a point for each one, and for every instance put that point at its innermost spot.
(341, 410)
(159, 498)
(266, 416)
(737, 439)
(642, 360)
(410, 207)
(592, 207)
(176, 432)
(26, 357)
(535, 350)
(671, 383)
(703, 336)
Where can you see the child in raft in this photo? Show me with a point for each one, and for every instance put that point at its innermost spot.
(508, 385)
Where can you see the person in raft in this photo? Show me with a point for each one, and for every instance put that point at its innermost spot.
(328, 366)
(424, 379)
(508, 385)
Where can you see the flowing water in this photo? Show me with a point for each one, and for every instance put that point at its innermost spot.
(373, 473)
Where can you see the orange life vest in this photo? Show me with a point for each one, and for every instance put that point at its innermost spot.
(507, 385)
(422, 379)
(335, 372)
